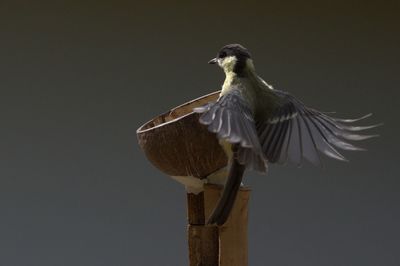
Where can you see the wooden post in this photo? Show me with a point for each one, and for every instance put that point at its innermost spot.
(225, 245)
(203, 240)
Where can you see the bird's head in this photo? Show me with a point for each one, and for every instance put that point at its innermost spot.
(233, 58)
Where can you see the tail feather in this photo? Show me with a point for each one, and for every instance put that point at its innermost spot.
(224, 206)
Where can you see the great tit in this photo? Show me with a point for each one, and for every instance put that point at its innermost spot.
(257, 124)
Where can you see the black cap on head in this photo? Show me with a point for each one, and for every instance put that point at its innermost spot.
(237, 50)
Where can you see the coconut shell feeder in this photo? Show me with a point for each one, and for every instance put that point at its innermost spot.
(179, 146)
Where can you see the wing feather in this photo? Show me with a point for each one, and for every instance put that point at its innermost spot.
(231, 118)
(294, 132)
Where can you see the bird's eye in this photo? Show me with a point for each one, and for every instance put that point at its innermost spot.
(222, 55)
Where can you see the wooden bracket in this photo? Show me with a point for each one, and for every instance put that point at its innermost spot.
(224, 245)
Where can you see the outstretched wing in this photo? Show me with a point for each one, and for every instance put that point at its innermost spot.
(294, 132)
(231, 118)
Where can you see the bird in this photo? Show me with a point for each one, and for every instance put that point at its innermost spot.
(258, 125)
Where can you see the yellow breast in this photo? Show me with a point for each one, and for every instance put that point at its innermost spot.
(227, 148)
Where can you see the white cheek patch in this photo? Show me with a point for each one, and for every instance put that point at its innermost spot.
(227, 63)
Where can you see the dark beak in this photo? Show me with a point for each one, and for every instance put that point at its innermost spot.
(213, 61)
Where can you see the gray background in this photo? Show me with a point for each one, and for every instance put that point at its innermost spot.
(77, 79)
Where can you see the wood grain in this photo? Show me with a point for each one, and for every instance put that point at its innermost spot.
(217, 246)
(203, 245)
(233, 245)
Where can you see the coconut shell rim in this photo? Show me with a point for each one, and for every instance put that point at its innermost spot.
(140, 130)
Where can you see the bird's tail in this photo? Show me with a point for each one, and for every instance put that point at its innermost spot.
(221, 212)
